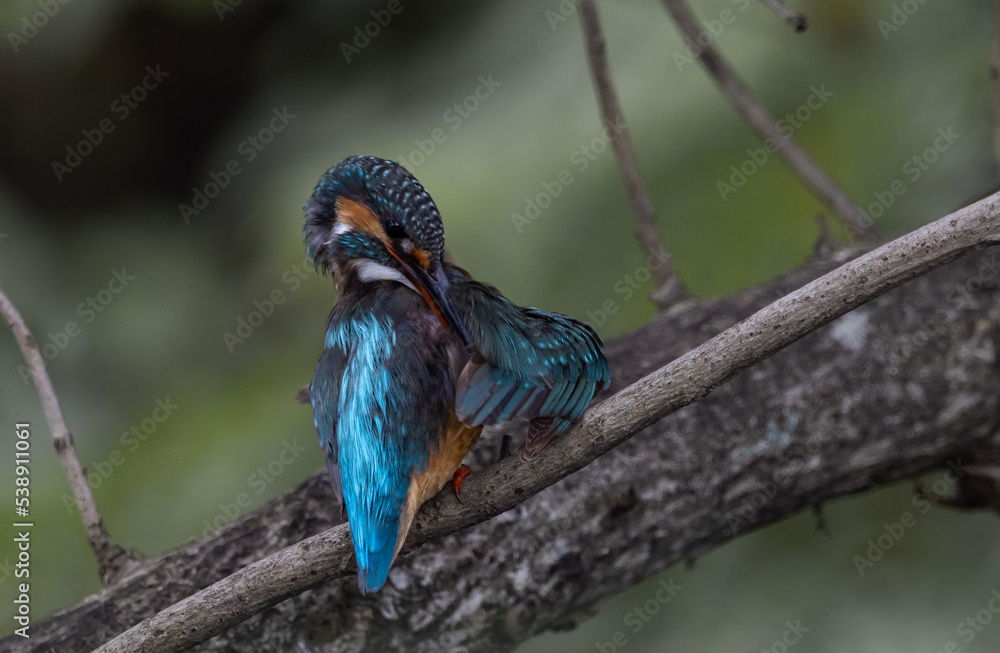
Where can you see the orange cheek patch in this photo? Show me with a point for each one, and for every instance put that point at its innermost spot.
(423, 258)
(360, 218)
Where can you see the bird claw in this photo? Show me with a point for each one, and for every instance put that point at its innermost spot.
(456, 481)
(505, 447)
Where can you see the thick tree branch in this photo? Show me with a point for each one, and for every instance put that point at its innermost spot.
(669, 286)
(511, 481)
(796, 21)
(811, 173)
(111, 558)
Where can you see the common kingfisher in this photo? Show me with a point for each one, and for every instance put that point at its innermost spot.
(419, 357)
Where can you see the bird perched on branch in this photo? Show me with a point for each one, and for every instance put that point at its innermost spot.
(419, 356)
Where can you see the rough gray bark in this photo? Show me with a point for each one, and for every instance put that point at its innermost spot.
(895, 388)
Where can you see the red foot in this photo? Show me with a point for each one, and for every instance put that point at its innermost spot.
(456, 480)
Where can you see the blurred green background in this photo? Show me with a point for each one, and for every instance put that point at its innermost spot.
(229, 67)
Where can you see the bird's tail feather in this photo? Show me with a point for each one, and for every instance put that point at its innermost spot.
(375, 555)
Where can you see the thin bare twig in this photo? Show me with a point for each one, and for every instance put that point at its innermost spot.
(670, 287)
(797, 21)
(810, 172)
(995, 74)
(110, 556)
(511, 481)
(825, 242)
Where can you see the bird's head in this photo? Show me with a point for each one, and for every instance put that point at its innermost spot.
(371, 217)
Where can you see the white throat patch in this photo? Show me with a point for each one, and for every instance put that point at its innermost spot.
(369, 270)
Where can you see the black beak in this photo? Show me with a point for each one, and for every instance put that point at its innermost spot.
(434, 290)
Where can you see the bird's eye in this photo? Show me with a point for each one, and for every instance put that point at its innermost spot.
(394, 230)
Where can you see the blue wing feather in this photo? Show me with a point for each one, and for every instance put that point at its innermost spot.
(324, 395)
(529, 363)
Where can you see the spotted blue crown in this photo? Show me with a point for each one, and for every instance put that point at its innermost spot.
(383, 186)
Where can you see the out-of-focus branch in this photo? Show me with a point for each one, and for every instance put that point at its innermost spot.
(670, 288)
(111, 558)
(510, 482)
(797, 21)
(810, 172)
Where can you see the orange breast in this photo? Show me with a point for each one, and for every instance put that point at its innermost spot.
(456, 441)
